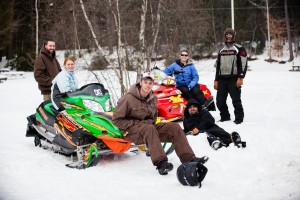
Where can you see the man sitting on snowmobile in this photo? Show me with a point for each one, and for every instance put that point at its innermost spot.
(198, 120)
(64, 82)
(136, 113)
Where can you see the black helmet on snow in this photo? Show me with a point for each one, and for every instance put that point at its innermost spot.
(191, 173)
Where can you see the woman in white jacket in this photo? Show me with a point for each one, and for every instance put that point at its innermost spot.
(64, 82)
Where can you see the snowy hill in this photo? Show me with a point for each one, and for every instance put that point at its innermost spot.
(268, 169)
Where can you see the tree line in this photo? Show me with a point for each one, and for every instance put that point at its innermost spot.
(142, 30)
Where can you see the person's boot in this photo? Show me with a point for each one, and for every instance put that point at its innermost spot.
(237, 121)
(217, 144)
(236, 139)
(201, 160)
(164, 167)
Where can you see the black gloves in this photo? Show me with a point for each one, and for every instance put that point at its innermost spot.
(178, 71)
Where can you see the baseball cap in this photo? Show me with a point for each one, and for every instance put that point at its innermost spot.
(147, 75)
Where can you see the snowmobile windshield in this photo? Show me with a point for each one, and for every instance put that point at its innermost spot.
(158, 75)
(93, 89)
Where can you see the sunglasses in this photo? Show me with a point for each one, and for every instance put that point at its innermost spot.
(228, 35)
(185, 55)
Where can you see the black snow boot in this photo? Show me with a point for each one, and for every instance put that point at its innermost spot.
(236, 139)
(164, 167)
(201, 160)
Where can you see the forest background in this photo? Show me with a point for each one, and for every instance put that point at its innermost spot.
(143, 31)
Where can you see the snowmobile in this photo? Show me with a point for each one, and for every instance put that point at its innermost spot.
(84, 131)
(170, 103)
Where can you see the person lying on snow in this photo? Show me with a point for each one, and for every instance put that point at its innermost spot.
(136, 113)
(197, 120)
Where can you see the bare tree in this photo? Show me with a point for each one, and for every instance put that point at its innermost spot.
(142, 39)
(36, 28)
(155, 31)
(122, 73)
(267, 8)
(91, 27)
(288, 29)
(76, 39)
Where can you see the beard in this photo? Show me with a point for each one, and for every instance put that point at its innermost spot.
(193, 112)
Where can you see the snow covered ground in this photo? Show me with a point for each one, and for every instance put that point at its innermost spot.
(268, 169)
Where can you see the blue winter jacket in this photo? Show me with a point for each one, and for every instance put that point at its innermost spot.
(188, 75)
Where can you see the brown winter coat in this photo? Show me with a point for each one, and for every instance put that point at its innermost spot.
(46, 67)
(136, 117)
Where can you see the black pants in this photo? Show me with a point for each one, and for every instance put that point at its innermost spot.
(227, 86)
(218, 133)
(194, 93)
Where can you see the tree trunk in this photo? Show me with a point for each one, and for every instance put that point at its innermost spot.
(91, 27)
(76, 39)
(140, 67)
(36, 28)
(122, 73)
(154, 34)
(288, 29)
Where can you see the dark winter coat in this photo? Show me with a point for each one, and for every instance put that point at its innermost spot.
(231, 62)
(202, 121)
(132, 109)
(189, 76)
(46, 67)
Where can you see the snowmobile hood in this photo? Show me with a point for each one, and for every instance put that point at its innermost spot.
(192, 102)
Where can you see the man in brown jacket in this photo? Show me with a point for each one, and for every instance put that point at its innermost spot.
(136, 114)
(46, 67)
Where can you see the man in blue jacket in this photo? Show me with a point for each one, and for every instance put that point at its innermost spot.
(186, 77)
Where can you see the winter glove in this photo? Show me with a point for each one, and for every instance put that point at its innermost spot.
(239, 82)
(178, 71)
(216, 85)
(195, 131)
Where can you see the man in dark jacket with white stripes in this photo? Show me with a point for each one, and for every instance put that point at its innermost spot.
(231, 67)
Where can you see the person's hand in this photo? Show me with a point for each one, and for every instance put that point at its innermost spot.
(239, 82)
(178, 71)
(216, 85)
(195, 131)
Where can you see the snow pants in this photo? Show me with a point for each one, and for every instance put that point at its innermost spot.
(153, 135)
(219, 133)
(194, 93)
(225, 86)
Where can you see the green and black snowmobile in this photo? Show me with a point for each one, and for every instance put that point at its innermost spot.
(85, 130)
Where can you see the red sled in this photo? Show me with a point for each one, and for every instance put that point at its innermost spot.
(170, 103)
